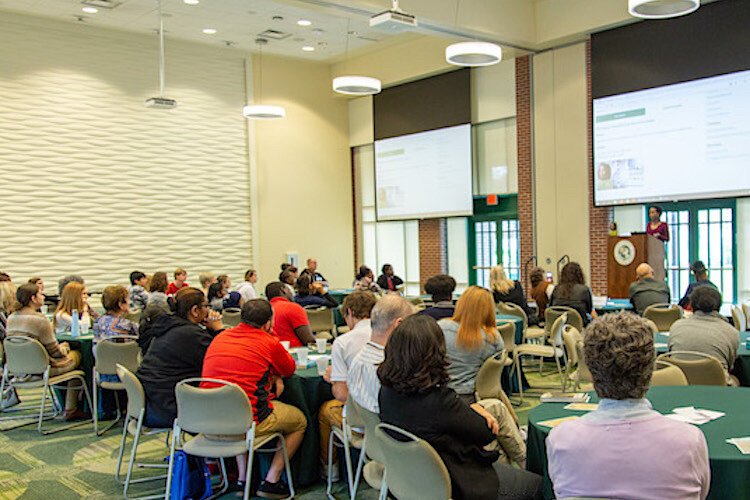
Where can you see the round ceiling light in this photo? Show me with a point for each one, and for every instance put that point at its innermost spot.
(473, 54)
(661, 9)
(90, 10)
(263, 111)
(356, 85)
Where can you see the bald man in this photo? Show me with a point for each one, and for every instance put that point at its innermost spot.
(646, 290)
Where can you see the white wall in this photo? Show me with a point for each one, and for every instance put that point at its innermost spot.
(630, 218)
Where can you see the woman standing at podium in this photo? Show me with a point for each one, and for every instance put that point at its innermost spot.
(656, 227)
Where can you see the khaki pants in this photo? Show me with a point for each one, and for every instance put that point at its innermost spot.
(330, 414)
(284, 419)
(509, 441)
(74, 360)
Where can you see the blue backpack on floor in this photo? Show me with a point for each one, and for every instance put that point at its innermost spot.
(190, 478)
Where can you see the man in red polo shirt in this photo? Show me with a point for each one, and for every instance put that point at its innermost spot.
(250, 356)
(289, 319)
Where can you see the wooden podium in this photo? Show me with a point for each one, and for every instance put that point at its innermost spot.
(625, 253)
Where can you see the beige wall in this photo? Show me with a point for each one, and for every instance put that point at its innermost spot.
(561, 161)
(303, 169)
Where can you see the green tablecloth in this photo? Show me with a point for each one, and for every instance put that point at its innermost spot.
(729, 468)
(510, 386)
(85, 344)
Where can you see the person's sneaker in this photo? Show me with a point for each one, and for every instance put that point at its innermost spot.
(273, 490)
(334, 472)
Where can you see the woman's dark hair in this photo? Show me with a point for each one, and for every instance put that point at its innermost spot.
(135, 276)
(657, 208)
(186, 299)
(303, 284)
(570, 276)
(213, 290)
(706, 299)
(536, 276)
(25, 293)
(284, 265)
(287, 276)
(441, 287)
(362, 272)
(385, 266)
(35, 280)
(414, 356)
(158, 282)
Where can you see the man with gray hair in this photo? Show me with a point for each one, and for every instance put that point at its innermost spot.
(68, 279)
(646, 290)
(362, 380)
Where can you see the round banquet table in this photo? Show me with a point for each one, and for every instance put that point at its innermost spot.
(729, 468)
(85, 344)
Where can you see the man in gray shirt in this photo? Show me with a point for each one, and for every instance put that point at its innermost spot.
(646, 291)
(706, 331)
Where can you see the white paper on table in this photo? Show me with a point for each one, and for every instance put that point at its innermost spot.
(687, 419)
(742, 444)
(692, 415)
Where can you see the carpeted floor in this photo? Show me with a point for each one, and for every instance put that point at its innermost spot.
(76, 464)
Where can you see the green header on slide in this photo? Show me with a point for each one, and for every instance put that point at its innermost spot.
(392, 152)
(622, 114)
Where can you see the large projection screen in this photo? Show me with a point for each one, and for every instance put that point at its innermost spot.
(677, 142)
(424, 175)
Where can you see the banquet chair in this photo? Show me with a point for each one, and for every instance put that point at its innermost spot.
(555, 350)
(553, 312)
(529, 332)
(373, 471)
(576, 370)
(667, 374)
(663, 315)
(109, 352)
(219, 411)
(582, 374)
(25, 356)
(738, 319)
(133, 425)
(746, 311)
(702, 369)
(348, 439)
(487, 384)
(230, 317)
(322, 322)
(414, 470)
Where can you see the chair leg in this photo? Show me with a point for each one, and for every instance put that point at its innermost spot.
(117, 418)
(383, 487)
(224, 479)
(360, 465)
(175, 432)
(133, 453)
(329, 475)
(248, 471)
(518, 377)
(41, 405)
(559, 371)
(121, 453)
(95, 407)
(287, 466)
(348, 460)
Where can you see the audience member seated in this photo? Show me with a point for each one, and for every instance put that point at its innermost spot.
(441, 288)
(362, 380)
(365, 280)
(356, 309)
(388, 281)
(27, 321)
(573, 292)
(416, 397)
(219, 299)
(39, 282)
(72, 298)
(312, 270)
(206, 279)
(541, 290)
(289, 277)
(470, 338)
(226, 282)
(247, 287)
(290, 321)
(5, 277)
(706, 331)
(7, 304)
(646, 291)
(176, 351)
(113, 322)
(625, 449)
(505, 289)
(137, 290)
(250, 356)
(62, 283)
(700, 273)
(180, 277)
(313, 294)
(157, 305)
(656, 227)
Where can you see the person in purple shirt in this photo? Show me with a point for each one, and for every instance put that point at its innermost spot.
(624, 449)
(656, 227)
(441, 287)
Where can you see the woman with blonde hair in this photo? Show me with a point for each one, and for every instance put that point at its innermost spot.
(72, 298)
(7, 304)
(470, 338)
(505, 289)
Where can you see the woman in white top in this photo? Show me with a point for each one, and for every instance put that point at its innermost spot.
(72, 298)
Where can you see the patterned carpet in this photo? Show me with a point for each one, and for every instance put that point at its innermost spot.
(76, 464)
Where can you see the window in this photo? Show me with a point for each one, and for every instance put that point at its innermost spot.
(494, 237)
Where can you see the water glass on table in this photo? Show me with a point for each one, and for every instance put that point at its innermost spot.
(322, 363)
(302, 353)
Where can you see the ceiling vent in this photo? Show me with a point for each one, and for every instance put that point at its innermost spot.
(102, 4)
(274, 34)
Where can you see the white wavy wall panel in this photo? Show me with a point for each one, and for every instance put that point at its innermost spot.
(94, 183)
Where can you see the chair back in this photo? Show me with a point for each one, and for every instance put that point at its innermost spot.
(117, 350)
(24, 355)
(487, 384)
(699, 368)
(507, 331)
(134, 390)
(321, 319)
(512, 309)
(738, 318)
(746, 312)
(554, 336)
(414, 470)
(571, 336)
(582, 374)
(663, 315)
(230, 317)
(371, 421)
(667, 374)
(219, 410)
(554, 312)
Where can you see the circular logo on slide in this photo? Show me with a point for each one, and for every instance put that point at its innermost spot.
(624, 252)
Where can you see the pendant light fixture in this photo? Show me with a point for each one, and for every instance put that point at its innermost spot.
(472, 53)
(661, 9)
(161, 102)
(262, 111)
(355, 84)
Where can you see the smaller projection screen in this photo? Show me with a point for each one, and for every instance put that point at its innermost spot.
(683, 141)
(424, 175)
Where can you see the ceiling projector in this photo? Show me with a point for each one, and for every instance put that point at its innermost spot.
(161, 103)
(393, 20)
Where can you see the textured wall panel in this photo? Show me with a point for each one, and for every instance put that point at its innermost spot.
(92, 182)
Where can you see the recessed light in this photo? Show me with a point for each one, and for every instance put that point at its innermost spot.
(191, 2)
(90, 10)
(304, 22)
(308, 48)
(209, 31)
